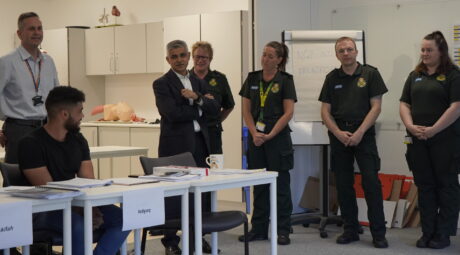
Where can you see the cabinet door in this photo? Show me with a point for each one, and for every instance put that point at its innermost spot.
(119, 166)
(186, 28)
(55, 44)
(144, 137)
(100, 59)
(90, 134)
(130, 49)
(155, 47)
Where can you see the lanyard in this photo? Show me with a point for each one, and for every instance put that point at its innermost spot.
(36, 81)
(263, 98)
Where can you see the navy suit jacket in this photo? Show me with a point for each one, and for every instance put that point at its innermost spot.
(177, 132)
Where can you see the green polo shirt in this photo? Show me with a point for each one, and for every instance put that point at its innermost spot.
(430, 95)
(218, 87)
(282, 88)
(349, 95)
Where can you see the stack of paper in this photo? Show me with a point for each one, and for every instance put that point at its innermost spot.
(173, 177)
(131, 181)
(228, 171)
(80, 183)
(43, 192)
(165, 170)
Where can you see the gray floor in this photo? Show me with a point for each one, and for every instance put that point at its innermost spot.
(307, 241)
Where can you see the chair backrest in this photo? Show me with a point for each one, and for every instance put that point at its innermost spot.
(12, 175)
(182, 159)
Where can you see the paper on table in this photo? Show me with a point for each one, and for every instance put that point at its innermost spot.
(80, 183)
(43, 192)
(227, 171)
(131, 181)
(16, 224)
(143, 208)
(172, 177)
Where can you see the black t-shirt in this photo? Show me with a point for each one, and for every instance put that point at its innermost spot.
(349, 95)
(430, 95)
(282, 88)
(218, 86)
(63, 159)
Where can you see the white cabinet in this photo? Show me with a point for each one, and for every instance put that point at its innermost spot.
(116, 50)
(186, 28)
(144, 137)
(91, 135)
(156, 52)
(119, 166)
(55, 44)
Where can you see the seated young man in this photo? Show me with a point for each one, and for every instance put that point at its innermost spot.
(58, 151)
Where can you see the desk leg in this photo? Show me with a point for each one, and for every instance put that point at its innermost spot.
(214, 234)
(88, 226)
(137, 242)
(26, 250)
(198, 223)
(67, 223)
(273, 218)
(185, 223)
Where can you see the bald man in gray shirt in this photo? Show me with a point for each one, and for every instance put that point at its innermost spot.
(26, 78)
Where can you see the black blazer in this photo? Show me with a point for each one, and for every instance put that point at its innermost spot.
(177, 132)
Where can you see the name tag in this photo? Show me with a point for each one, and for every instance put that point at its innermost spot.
(338, 86)
(15, 224)
(254, 87)
(143, 208)
(418, 79)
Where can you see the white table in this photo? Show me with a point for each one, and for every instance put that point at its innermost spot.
(218, 182)
(46, 205)
(109, 151)
(114, 194)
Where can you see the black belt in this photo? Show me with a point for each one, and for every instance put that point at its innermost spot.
(35, 123)
(349, 123)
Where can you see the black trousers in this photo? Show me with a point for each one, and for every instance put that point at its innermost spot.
(342, 160)
(215, 139)
(14, 130)
(173, 204)
(435, 163)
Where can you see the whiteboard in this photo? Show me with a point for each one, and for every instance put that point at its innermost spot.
(312, 57)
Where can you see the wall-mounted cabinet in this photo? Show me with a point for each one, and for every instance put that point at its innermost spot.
(155, 47)
(186, 28)
(116, 50)
(55, 44)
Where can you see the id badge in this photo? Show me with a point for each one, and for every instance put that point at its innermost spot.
(37, 100)
(260, 126)
(407, 140)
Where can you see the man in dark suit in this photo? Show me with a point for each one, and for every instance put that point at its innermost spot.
(183, 103)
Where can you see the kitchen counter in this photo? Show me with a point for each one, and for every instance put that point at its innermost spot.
(118, 124)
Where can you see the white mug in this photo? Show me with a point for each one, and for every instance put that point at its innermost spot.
(215, 161)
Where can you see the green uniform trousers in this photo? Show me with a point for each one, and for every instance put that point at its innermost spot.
(435, 164)
(215, 139)
(275, 155)
(342, 160)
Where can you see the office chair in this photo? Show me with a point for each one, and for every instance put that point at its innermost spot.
(12, 176)
(211, 221)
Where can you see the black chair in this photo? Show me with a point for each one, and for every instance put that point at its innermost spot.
(211, 221)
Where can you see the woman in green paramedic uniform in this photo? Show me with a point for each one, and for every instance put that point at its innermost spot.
(268, 104)
(429, 108)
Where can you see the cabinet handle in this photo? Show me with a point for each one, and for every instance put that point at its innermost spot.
(117, 64)
(111, 63)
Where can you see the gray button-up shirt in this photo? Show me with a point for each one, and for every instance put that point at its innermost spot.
(17, 86)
